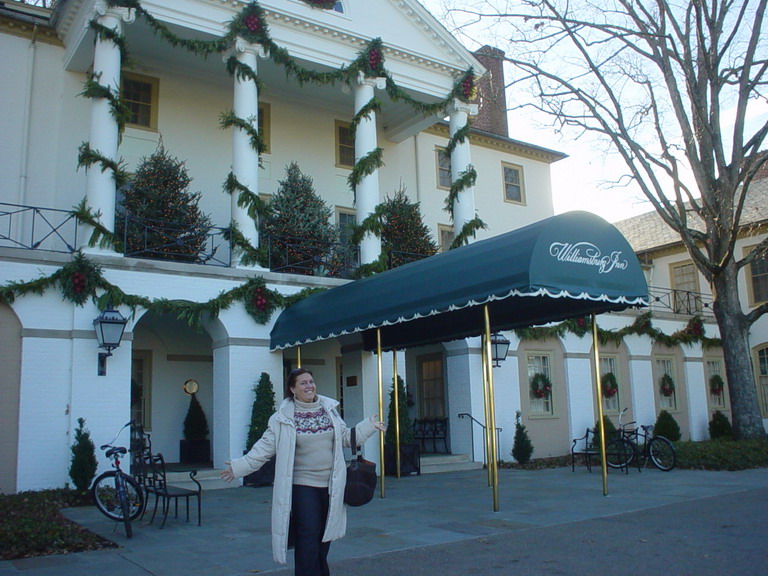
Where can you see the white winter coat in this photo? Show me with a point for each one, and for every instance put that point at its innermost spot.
(280, 440)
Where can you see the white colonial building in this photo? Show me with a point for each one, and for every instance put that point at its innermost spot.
(65, 65)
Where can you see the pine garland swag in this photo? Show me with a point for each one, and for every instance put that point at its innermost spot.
(260, 302)
(79, 279)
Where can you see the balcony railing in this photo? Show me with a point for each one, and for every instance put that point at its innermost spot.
(680, 301)
(35, 228)
(301, 256)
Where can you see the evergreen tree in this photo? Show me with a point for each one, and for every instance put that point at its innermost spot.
(299, 229)
(406, 428)
(83, 466)
(522, 448)
(404, 235)
(160, 218)
(195, 423)
(262, 409)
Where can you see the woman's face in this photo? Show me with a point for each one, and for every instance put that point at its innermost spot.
(304, 388)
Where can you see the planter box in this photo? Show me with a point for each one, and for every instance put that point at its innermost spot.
(410, 459)
(264, 476)
(195, 451)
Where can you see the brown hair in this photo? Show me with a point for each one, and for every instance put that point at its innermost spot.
(290, 382)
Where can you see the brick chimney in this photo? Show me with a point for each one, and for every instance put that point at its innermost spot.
(492, 115)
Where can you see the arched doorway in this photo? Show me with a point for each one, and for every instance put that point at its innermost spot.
(10, 385)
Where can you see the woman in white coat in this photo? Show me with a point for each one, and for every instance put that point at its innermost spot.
(307, 436)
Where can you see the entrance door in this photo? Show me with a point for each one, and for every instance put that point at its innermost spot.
(431, 387)
(141, 388)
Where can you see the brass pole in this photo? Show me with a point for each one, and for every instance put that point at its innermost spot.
(484, 362)
(298, 356)
(395, 387)
(492, 413)
(598, 394)
(381, 406)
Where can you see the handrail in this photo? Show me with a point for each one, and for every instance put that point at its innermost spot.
(472, 436)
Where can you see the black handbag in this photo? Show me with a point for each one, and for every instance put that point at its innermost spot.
(361, 478)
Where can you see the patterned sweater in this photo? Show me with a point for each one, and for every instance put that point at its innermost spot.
(314, 445)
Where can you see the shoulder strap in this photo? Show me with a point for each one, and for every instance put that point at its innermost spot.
(353, 440)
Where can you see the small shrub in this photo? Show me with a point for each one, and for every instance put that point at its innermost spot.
(522, 449)
(195, 423)
(720, 426)
(610, 431)
(667, 426)
(83, 466)
(262, 409)
(405, 424)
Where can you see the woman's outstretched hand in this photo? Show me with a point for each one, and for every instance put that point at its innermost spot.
(227, 474)
(378, 424)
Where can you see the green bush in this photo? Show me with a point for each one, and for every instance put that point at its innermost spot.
(719, 426)
(610, 431)
(722, 454)
(82, 468)
(195, 423)
(406, 426)
(522, 448)
(667, 426)
(262, 409)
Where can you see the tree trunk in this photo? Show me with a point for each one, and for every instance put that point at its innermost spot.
(734, 332)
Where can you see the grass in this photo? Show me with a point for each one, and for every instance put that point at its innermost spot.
(31, 523)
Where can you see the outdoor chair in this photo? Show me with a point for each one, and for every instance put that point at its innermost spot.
(157, 484)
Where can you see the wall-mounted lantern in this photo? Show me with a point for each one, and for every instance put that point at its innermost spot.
(499, 348)
(109, 327)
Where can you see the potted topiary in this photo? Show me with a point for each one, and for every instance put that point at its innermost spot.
(263, 407)
(410, 453)
(195, 447)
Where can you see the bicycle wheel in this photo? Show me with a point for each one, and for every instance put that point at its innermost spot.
(662, 453)
(619, 453)
(105, 496)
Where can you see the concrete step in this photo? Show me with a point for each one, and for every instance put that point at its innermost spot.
(436, 463)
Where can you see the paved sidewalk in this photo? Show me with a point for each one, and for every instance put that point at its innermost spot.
(549, 522)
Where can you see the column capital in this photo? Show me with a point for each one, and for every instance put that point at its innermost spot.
(379, 82)
(102, 8)
(459, 106)
(242, 46)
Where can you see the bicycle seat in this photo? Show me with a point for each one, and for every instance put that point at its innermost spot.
(116, 450)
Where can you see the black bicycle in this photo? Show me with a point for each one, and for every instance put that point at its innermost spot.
(636, 444)
(118, 495)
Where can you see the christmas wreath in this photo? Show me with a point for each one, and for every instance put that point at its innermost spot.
(667, 385)
(79, 278)
(716, 385)
(260, 302)
(250, 24)
(609, 384)
(541, 387)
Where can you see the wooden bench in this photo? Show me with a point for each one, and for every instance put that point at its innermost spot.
(587, 447)
(431, 429)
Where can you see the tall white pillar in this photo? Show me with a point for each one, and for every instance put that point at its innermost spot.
(104, 134)
(245, 159)
(367, 192)
(464, 205)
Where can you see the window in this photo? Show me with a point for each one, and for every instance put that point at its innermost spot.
(431, 387)
(667, 400)
(140, 93)
(265, 122)
(444, 179)
(716, 400)
(762, 380)
(685, 284)
(446, 237)
(345, 220)
(141, 388)
(541, 404)
(610, 364)
(758, 279)
(513, 183)
(345, 145)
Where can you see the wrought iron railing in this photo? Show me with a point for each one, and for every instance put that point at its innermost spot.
(680, 301)
(35, 228)
(305, 256)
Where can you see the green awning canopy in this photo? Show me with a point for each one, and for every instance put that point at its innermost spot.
(566, 266)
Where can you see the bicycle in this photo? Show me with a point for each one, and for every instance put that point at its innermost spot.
(627, 447)
(118, 495)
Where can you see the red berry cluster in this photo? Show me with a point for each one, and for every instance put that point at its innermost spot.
(252, 22)
(468, 86)
(374, 59)
(259, 299)
(78, 282)
(610, 392)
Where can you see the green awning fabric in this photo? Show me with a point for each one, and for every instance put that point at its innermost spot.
(566, 266)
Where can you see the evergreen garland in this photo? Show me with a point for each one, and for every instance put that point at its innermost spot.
(255, 206)
(260, 302)
(366, 166)
(249, 256)
(87, 157)
(469, 229)
(466, 179)
(79, 279)
(229, 119)
(99, 235)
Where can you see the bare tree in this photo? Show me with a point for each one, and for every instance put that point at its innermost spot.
(670, 86)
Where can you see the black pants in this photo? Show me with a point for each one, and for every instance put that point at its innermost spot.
(309, 513)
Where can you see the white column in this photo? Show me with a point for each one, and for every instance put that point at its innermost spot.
(104, 134)
(245, 160)
(367, 193)
(464, 206)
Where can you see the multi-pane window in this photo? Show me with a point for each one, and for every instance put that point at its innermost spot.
(446, 237)
(541, 401)
(431, 387)
(345, 145)
(762, 380)
(513, 183)
(610, 395)
(139, 94)
(686, 287)
(444, 179)
(714, 375)
(665, 375)
(759, 279)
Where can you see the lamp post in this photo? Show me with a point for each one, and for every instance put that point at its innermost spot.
(499, 348)
(109, 326)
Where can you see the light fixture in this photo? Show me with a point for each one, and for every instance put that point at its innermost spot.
(109, 327)
(499, 348)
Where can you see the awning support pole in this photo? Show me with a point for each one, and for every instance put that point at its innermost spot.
(487, 445)
(381, 406)
(395, 389)
(492, 462)
(298, 356)
(599, 396)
